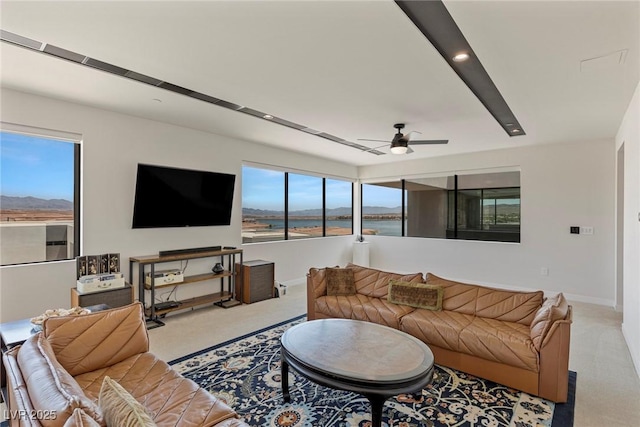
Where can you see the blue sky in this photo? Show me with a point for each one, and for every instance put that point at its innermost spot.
(264, 189)
(34, 166)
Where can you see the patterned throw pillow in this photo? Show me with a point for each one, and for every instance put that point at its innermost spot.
(119, 408)
(340, 281)
(419, 295)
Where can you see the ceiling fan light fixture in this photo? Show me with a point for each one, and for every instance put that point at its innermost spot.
(399, 150)
(461, 57)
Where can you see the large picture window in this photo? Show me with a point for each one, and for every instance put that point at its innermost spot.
(279, 205)
(484, 206)
(382, 211)
(39, 188)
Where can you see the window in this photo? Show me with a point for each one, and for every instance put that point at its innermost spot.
(39, 187)
(382, 209)
(262, 205)
(339, 207)
(305, 206)
(470, 207)
(285, 206)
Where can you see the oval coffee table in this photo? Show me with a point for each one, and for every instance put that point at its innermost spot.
(370, 359)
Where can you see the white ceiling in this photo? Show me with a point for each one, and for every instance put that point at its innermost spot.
(348, 68)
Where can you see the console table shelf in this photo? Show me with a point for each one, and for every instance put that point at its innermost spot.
(193, 279)
(192, 302)
(227, 281)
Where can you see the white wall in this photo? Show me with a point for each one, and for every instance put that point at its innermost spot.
(561, 186)
(629, 135)
(113, 144)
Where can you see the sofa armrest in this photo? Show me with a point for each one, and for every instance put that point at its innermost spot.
(18, 402)
(554, 360)
(311, 299)
(316, 287)
(85, 343)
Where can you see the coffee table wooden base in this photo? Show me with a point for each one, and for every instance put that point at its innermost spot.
(377, 392)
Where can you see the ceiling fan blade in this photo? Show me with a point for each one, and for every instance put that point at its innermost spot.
(429, 141)
(375, 148)
(409, 150)
(373, 140)
(407, 136)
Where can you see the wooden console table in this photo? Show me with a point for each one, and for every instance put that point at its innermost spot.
(147, 265)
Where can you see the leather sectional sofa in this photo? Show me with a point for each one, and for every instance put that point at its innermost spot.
(518, 339)
(57, 374)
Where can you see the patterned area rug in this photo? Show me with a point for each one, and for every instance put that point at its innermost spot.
(245, 373)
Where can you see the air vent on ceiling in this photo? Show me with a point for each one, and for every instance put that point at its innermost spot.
(64, 54)
(21, 41)
(142, 78)
(105, 66)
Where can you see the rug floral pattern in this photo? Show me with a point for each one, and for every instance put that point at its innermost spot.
(245, 373)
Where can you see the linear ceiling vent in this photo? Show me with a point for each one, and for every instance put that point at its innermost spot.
(21, 41)
(77, 58)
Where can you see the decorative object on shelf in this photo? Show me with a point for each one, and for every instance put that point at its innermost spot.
(89, 265)
(218, 268)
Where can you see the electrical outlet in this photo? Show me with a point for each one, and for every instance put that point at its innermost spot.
(544, 271)
(586, 230)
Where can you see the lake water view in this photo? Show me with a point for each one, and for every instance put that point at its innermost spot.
(383, 227)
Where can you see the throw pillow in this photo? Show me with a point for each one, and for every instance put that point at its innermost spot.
(79, 418)
(340, 281)
(419, 295)
(119, 408)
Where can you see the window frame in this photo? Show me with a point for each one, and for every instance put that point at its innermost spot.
(70, 138)
(455, 191)
(324, 178)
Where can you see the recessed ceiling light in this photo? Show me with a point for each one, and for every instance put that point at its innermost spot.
(267, 116)
(515, 130)
(157, 100)
(461, 57)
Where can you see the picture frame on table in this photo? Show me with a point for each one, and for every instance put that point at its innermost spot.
(81, 266)
(114, 263)
(93, 264)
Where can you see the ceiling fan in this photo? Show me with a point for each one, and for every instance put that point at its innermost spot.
(400, 142)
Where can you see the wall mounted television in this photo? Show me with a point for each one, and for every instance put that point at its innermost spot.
(172, 197)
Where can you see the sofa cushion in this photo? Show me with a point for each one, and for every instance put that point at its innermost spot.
(169, 398)
(490, 303)
(457, 296)
(50, 387)
(375, 283)
(499, 341)
(79, 418)
(119, 408)
(439, 328)
(340, 281)
(380, 311)
(553, 309)
(86, 343)
(318, 277)
(339, 306)
(419, 295)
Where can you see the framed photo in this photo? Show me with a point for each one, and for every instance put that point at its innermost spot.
(81, 266)
(114, 263)
(93, 264)
(104, 263)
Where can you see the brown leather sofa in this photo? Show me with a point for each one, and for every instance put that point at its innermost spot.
(61, 369)
(519, 339)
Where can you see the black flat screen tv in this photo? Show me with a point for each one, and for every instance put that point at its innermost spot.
(172, 197)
